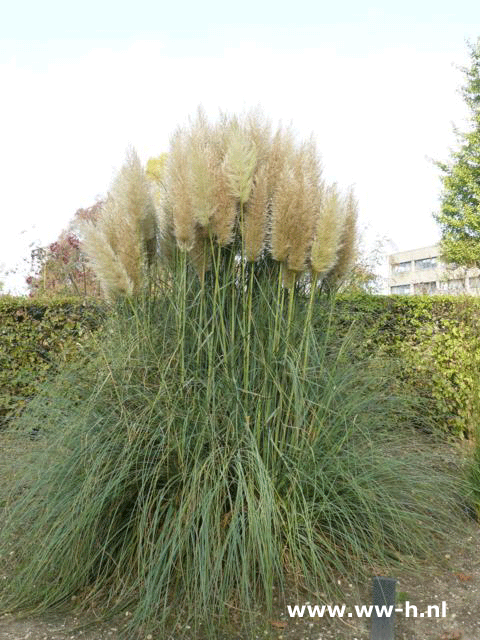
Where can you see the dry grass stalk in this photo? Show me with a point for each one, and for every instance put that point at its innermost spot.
(166, 231)
(200, 255)
(113, 277)
(326, 245)
(223, 219)
(222, 223)
(307, 203)
(283, 211)
(179, 191)
(239, 164)
(256, 218)
(127, 228)
(201, 168)
(348, 250)
(295, 209)
(202, 182)
(259, 130)
(281, 149)
(289, 276)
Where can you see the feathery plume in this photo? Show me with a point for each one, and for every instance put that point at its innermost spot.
(306, 207)
(295, 210)
(201, 164)
(283, 211)
(280, 151)
(202, 189)
(133, 196)
(166, 231)
(255, 226)
(326, 245)
(347, 251)
(239, 164)
(105, 262)
(178, 187)
(127, 227)
(259, 130)
(223, 219)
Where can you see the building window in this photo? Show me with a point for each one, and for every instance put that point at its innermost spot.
(474, 282)
(453, 285)
(402, 267)
(456, 285)
(426, 263)
(425, 287)
(400, 289)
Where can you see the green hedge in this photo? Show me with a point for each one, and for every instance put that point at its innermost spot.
(438, 340)
(36, 337)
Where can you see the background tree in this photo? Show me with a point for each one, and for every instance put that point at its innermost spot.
(2, 274)
(155, 168)
(459, 215)
(364, 273)
(61, 267)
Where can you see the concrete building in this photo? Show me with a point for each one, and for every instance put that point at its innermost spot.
(421, 271)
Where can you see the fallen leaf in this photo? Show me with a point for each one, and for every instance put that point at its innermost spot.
(452, 635)
(279, 624)
(463, 577)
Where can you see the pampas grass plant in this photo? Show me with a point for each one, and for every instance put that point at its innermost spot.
(225, 449)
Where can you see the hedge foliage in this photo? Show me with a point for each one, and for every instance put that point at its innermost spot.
(36, 337)
(438, 340)
(436, 337)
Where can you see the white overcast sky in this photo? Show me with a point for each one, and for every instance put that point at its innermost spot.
(376, 82)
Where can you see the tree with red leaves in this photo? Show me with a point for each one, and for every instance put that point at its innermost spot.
(61, 268)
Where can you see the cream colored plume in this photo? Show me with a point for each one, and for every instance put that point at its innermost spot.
(105, 262)
(348, 241)
(221, 223)
(179, 192)
(281, 149)
(283, 213)
(123, 243)
(307, 197)
(201, 160)
(328, 233)
(295, 208)
(239, 165)
(256, 217)
(202, 172)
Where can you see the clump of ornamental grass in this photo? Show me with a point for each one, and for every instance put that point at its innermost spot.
(223, 449)
(187, 487)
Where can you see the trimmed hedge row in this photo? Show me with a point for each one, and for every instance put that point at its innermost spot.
(437, 339)
(36, 337)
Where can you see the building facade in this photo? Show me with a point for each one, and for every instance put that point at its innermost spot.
(421, 271)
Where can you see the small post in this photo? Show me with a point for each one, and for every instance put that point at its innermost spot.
(383, 626)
